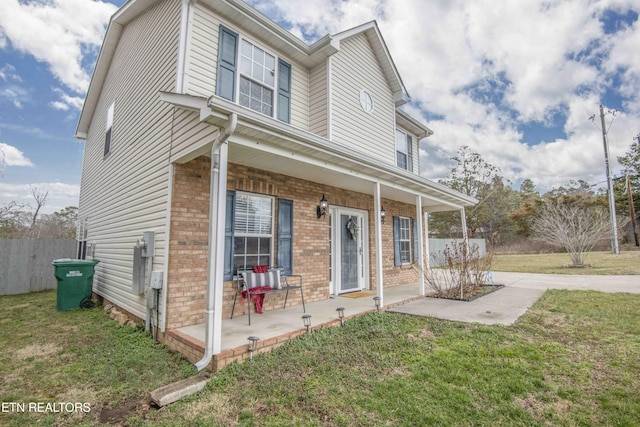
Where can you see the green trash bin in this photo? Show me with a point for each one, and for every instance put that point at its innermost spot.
(75, 281)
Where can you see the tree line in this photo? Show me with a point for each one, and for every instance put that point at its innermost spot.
(26, 221)
(505, 216)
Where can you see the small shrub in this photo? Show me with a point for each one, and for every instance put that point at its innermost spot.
(461, 272)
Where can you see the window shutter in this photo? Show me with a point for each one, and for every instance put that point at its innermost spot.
(409, 153)
(285, 235)
(397, 258)
(414, 224)
(227, 63)
(284, 91)
(228, 235)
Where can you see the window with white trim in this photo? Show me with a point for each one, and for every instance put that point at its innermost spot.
(366, 101)
(253, 77)
(253, 230)
(404, 150)
(108, 132)
(257, 77)
(405, 240)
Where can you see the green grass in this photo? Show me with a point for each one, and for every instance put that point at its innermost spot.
(571, 360)
(626, 262)
(75, 356)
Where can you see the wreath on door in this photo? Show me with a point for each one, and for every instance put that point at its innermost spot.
(352, 228)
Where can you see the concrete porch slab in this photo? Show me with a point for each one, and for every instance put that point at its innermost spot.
(503, 306)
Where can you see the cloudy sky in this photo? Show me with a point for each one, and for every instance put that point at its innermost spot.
(514, 80)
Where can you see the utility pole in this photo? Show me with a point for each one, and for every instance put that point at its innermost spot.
(612, 205)
(632, 210)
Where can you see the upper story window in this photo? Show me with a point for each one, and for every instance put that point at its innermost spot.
(264, 81)
(404, 150)
(366, 101)
(108, 132)
(257, 75)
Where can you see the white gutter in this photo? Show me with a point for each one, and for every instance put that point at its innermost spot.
(215, 276)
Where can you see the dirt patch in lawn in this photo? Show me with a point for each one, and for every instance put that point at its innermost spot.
(37, 350)
(127, 409)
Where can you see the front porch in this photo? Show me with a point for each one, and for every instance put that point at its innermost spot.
(276, 327)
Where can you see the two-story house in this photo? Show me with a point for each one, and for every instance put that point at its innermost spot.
(211, 125)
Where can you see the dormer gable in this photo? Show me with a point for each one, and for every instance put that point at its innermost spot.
(375, 39)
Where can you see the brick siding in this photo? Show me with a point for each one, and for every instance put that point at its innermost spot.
(188, 243)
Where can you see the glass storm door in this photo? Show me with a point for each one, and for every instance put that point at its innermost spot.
(350, 236)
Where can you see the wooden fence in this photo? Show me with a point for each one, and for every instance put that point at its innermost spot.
(25, 264)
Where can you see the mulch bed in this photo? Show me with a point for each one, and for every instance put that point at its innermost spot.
(470, 294)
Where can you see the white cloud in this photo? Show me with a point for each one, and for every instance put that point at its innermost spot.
(11, 156)
(65, 101)
(60, 195)
(56, 32)
(485, 68)
(11, 89)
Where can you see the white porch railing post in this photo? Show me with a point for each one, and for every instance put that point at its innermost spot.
(420, 254)
(378, 239)
(427, 246)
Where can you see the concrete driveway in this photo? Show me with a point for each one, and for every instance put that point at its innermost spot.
(522, 290)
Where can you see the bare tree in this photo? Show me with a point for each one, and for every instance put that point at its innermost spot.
(575, 227)
(40, 198)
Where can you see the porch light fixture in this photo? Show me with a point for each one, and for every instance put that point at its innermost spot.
(376, 299)
(252, 346)
(322, 207)
(307, 322)
(340, 311)
(383, 214)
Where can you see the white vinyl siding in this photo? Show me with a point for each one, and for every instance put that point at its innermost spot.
(202, 61)
(318, 98)
(191, 137)
(353, 69)
(128, 194)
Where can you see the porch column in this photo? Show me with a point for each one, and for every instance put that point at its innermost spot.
(427, 248)
(420, 255)
(378, 238)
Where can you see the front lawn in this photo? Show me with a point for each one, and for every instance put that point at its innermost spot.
(80, 357)
(626, 262)
(571, 360)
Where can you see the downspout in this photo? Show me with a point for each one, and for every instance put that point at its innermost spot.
(215, 276)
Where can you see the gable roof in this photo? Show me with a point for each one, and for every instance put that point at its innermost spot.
(255, 23)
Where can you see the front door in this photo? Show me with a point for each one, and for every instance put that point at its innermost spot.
(349, 246)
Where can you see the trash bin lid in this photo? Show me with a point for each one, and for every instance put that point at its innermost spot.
(74, 262)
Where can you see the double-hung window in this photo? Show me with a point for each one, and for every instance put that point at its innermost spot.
(405, 250)
(253, 230)
(404, 150)
(257, 77)
(405, 240)
(262, 79)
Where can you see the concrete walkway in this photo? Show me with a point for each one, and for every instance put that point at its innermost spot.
(522, 290)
